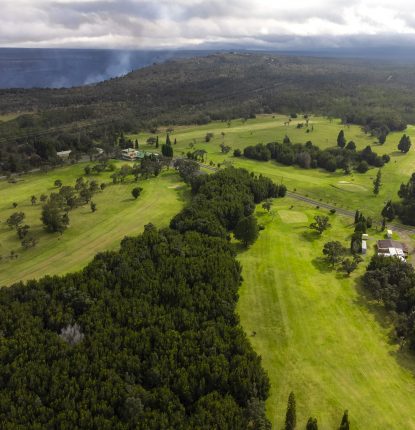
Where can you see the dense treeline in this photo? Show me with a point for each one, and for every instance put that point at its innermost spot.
(392, 282)
(311, 156)
(405, 209)
(220, 87)
(222, 200)
(144, 338)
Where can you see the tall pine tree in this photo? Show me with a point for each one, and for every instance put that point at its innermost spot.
(377, 183)
(341, 140)
(404, 144)
(345, 425)
(291, 415)
(312, 424)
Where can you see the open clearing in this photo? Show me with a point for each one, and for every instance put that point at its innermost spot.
(118, 215)
(317, 334)
(292, 217)
(315, 183)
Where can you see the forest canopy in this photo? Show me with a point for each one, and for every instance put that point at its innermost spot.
(144, 338)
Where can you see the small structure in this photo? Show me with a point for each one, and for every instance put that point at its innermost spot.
(392, 248)
(131, 154)
(64, 155)
(389, 234)
(364, 247)
(365, 236)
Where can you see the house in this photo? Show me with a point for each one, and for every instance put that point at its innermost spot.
(392, 248)
(63, 155)
(131, 154)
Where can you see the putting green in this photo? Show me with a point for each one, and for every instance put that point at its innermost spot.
(292, 217)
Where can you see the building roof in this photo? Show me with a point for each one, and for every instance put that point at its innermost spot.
(389, 243)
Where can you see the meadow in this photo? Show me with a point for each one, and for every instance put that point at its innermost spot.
(352, 191)
(117, 215)
(317, 333)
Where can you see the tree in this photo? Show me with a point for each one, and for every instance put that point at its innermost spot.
(167, 150)
(22, 231)
(356, 216)
(312, 424)
(29, 242)
(157, 142)
(341, 140)
(291, 415)
(333, 251)
(187, 169)
(85, 194)
(388, 211)
(351, 146)
(267, 205)
(93, 206)
(33, 200)
(348, 266)
(321, 223)
(136, 192)
(404, 144)
(53, 219)
(43, 198)
(58, 183)
(15, 219)
(362, 167)
(237, 152)
(247, 230)
(377, 183)
(14, 204)
(345, 425)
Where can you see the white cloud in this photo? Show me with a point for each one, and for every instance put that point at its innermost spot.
(191, 23)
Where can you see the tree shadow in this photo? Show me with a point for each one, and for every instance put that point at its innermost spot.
(321, 265)
(403, 356)
(310, 236)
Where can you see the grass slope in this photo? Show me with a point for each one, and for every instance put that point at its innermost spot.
(118, 215)
(348, 191)
(317, 334)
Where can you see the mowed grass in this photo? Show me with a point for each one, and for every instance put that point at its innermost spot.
(118, 215)
(348, 191)
(318, 335)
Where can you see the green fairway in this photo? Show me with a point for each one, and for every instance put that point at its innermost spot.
(348, 191)
(118, 215)
(317, 334)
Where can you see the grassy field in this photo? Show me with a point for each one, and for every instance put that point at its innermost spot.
(118, 215)
(316, 332)
(348, 191)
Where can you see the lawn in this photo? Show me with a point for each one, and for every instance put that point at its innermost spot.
(318, 335)
(118, 215)
(348, 191)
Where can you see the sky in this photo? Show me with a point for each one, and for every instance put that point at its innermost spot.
(196, 24)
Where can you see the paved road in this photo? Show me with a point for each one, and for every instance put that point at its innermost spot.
(394, 226)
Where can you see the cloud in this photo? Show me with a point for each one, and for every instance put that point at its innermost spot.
(199, 23)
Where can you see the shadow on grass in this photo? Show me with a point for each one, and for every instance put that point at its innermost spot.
(403, 356)
(321, 265)
(310, 236)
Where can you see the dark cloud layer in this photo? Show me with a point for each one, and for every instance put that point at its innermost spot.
(199, 23)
